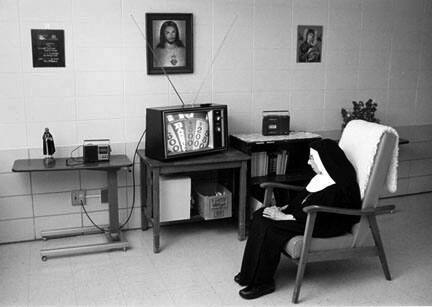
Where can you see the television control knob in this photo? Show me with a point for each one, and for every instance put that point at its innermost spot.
(218, 129)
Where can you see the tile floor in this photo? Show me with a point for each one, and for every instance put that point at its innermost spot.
(198, 261)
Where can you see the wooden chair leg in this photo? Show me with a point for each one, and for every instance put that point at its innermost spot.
(299, 279)
(378, 243)
(304, 255)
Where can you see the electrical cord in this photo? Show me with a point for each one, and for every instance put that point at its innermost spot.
(133, 187)
(88, 216)
(79, 161)
(133, 180)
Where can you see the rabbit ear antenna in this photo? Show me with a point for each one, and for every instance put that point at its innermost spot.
(214, 58)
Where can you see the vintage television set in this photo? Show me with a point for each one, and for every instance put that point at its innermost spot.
(174, 132)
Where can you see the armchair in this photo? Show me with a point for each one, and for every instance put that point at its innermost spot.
(373, 150)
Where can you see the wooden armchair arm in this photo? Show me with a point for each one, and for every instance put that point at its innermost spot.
(277, 185)
(360, 212)
(269, 186)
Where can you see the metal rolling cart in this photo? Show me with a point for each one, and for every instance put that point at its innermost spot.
(114, 237)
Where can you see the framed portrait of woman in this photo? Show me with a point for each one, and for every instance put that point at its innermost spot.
(309, 44)
(169, 43)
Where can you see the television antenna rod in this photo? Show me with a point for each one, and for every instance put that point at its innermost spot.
(155, 56)
(215, 56)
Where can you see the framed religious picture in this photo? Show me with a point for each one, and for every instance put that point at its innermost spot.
(169, 43)
(309, 44)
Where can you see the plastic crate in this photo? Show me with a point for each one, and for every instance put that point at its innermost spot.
(214, 201)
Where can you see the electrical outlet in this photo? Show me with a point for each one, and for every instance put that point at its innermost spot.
(78, 196)
(104, 196)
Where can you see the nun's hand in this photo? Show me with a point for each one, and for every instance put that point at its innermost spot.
(274, 213)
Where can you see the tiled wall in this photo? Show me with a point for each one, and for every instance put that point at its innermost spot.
(376, 49)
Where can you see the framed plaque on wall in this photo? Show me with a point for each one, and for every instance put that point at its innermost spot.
(48, 48)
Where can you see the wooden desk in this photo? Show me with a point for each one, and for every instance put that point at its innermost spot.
(115, 240)
(151, 170)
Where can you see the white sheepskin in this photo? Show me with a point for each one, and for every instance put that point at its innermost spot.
(360, 141)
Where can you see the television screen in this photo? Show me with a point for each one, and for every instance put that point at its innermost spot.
(188, 132)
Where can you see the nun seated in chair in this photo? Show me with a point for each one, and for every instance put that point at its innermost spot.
(334, 185)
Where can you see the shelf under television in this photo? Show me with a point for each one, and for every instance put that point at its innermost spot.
(193, 219)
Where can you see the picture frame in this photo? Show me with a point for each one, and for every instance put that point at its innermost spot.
(169, 43)
(309, 44)
(48, 48)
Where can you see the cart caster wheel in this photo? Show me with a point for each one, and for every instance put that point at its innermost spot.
(124, 249)
(44, 258)
(44, 239)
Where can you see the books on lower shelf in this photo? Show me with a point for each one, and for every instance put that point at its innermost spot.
(268, 163)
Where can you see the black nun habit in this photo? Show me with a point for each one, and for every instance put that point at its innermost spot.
(334, 186)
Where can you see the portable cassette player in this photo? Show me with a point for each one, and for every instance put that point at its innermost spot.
(276, 122)
(96, 150)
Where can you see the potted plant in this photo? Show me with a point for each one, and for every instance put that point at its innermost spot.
(361, 110)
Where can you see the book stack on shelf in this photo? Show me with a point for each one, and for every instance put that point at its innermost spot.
(268, 163)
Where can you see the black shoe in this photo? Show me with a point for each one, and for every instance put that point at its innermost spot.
(255, 291)
(239, 280)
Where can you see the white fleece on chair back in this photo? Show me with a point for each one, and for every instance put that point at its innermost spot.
(360, 141)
